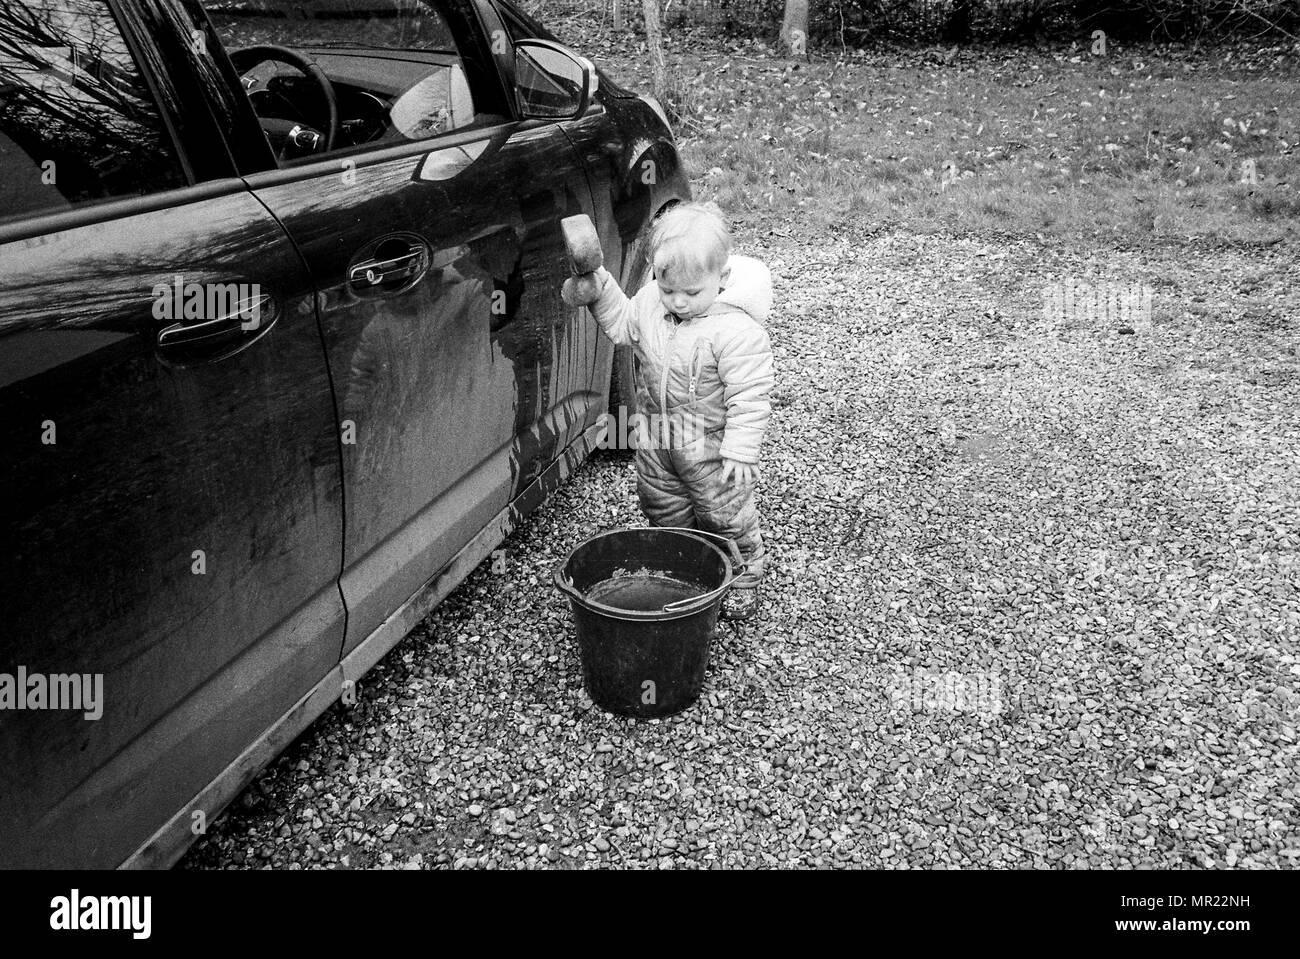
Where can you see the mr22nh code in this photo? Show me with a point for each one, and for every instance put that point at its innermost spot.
(1211, 902)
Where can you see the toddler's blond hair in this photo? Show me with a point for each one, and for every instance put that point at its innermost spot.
(689, 240)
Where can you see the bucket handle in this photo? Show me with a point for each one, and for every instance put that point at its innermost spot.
(565, 584)
(738, 566)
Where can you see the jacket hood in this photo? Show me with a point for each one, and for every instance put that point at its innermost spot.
(749, 289)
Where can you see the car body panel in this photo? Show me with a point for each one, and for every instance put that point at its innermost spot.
(185, 521)
(169, 843)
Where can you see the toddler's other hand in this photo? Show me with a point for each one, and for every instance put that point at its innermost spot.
(746, 473)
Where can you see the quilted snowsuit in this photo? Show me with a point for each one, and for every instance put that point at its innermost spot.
(703, 394)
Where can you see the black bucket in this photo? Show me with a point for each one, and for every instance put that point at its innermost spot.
(645, 602)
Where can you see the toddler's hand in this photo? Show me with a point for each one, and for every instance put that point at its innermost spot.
(746, 473)
(582, 290)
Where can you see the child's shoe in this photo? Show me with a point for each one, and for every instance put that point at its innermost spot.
(741, 603)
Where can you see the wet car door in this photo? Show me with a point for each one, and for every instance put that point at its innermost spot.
(170, 495)
(431, 227)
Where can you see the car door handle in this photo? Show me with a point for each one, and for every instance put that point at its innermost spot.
(392, 270)
(250, 315)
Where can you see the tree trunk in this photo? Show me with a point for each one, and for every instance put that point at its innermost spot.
(957, 27)
(654, 39)
(794, 28)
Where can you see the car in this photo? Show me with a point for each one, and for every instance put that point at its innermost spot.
(282, 359)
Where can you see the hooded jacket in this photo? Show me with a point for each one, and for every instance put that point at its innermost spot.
(701, 375)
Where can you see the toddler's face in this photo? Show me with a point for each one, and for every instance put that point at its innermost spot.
(691, 296)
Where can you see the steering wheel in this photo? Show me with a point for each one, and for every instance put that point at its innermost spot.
(286, 136)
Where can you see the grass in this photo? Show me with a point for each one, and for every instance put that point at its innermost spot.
(1048, 146)
(1146, 143)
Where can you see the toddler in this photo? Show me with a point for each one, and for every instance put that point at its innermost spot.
(705, 366)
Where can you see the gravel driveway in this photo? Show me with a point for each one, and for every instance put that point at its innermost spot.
(1034, 603)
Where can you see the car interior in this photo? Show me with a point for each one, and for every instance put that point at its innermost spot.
(328, 75)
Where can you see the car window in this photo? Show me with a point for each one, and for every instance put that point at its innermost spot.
(395, 67)
(549, 84)
(77, 122)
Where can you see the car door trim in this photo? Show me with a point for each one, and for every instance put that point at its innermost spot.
(127, 19)
(117, 208)
(358, 161)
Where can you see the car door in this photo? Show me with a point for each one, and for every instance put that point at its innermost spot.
(431, 230)
(170, 493)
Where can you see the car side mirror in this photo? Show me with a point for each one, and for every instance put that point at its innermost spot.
(552, 82)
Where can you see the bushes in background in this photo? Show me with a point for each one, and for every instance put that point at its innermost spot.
(858, 22)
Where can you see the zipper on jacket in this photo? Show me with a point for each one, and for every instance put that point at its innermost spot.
(664, 434)
(695, 369)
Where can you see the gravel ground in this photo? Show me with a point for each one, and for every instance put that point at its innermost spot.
(1091, 535)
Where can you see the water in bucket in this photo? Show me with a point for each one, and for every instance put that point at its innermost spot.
(644, 591)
